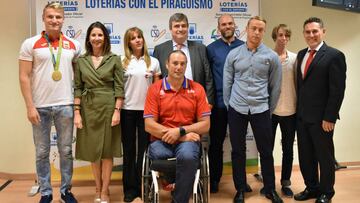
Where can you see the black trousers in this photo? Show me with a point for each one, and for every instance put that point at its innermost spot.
(135, 141)
(217, 136)
(287, 127)
(316, 151)
(261, 126)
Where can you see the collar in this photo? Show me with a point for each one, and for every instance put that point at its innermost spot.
(185, 44)
(134, 57)
(232, 42)
(261, 45)
(317, 48)
(43, 35)
(166, 85)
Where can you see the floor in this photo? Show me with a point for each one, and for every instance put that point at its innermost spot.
(347, 190)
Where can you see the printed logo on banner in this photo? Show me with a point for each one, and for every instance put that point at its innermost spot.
(233, 6)
(114, 38)
(72, 33)
(156, 34)
(215, 35)
(193, 36)
(71, 8)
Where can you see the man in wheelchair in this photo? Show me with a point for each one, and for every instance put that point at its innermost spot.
(176, 114)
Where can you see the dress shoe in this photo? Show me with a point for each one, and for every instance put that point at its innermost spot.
(323, 199)
(305, 195)
(274, 197)
(248, 188)
(214, 187)
(239, 197)
(287, 191)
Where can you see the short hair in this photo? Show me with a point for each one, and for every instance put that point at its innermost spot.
(277, 28)
(175, 51)
(314, 20)
(225, 15)
(178, 17)
(106, 47)
(128, 52)
(256, 18)
(53, 5)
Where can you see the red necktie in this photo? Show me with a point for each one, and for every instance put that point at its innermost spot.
(308, 61)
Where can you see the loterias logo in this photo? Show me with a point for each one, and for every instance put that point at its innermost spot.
(114, 38)
(68, 5)
(193, 35)
(233, 6)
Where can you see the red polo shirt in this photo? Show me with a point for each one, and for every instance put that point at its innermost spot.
(176, 108)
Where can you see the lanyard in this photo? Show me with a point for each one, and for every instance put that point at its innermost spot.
(56, 62)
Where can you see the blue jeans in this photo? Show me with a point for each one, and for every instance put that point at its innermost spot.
(63, 118)
(187, 160)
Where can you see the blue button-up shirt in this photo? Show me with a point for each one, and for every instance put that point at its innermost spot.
(217, 52)
(252, 79)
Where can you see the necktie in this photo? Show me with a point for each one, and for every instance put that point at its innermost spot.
(179, 46)
(308, 62)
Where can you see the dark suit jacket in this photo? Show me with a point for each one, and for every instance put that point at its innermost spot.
(199, 64)
(321, 92)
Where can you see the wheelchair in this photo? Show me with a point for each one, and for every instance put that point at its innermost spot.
(154, 170)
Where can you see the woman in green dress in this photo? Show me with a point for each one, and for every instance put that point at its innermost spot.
(99, 96)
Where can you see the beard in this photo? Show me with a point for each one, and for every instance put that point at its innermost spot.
(228, 34)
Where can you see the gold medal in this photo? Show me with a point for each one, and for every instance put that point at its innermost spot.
(56, 75)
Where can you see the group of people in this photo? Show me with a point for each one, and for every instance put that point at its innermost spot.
(123, 105)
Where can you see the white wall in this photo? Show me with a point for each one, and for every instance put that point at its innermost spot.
(343, 33)
(16, 146)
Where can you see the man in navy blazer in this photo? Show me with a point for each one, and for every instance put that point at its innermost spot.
(321, 87)
(198, 68)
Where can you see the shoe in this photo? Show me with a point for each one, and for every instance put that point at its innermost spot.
(46, 199)
(305, 195)
(323, 199)
(274, 197)
(68, 197)
(239, 197)
(286, 190)
(129, 198)
(105, 196)
(248, 188)
(214, 187)
(97, 198)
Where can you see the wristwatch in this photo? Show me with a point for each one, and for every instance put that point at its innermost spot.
(182, 131)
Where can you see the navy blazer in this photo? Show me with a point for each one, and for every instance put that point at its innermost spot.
(321, 92)
(199, 64)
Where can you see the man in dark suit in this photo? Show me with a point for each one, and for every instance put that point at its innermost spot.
(198, 68)
(321, 74)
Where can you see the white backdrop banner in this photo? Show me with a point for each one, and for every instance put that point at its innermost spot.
(152, 17)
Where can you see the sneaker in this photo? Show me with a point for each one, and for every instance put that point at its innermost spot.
(68, 197)
(46, 199)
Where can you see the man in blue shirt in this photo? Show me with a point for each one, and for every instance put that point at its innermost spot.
(252, 81)
(217, 52)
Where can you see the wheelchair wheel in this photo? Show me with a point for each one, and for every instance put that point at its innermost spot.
(204, 177)
(203, 195)
(146, 179)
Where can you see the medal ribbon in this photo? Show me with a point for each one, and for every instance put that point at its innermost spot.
(56, 62)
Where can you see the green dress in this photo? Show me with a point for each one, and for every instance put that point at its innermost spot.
(98, 90)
